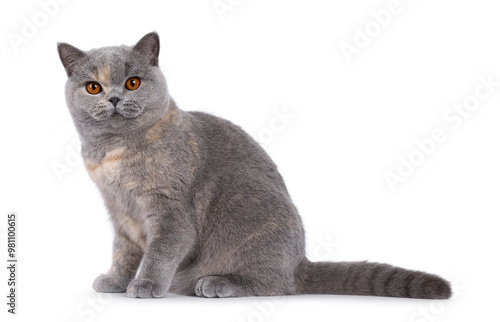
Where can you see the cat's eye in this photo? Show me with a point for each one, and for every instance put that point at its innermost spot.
(132, 83)
(94, 88)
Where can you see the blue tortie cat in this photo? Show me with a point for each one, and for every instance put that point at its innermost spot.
(195, 202)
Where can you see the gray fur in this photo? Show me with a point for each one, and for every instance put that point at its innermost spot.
(194, 198)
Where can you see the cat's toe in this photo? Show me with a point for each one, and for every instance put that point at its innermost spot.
(205, 287)
(105, 283)
(145, 288)
(214, 286)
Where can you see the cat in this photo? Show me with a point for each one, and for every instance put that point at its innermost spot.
(197, 206)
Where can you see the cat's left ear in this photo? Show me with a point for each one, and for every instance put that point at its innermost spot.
(69, 56)
(149, 48)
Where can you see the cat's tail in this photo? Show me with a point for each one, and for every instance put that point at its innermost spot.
(363, 278)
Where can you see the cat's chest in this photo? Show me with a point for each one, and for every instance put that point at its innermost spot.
(109, 170)
(121, 171)
(129, 173)
(119, 175)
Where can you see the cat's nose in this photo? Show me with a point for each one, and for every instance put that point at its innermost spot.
(114, 100)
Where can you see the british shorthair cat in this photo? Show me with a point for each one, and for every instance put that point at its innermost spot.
(195, 202)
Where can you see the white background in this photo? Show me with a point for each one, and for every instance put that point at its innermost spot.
(351, 123)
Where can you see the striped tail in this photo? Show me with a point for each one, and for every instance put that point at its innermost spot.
(363, 278)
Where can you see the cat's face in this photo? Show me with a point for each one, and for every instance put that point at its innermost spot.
(115, 90)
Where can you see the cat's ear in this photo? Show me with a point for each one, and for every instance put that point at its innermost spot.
(149, 48)
(69, 56)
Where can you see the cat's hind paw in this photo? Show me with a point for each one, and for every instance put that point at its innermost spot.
(219, 286)
(145, 288)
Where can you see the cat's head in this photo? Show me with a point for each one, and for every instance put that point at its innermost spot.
(115, 90)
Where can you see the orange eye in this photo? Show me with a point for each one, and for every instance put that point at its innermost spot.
(133, 83)
(93, 88)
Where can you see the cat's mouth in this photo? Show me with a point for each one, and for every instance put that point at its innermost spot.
(127, 110)
(117, 116)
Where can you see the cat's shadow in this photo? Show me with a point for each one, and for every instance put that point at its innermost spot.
(328, 299)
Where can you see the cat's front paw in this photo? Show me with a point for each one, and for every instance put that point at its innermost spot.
(145, 288)
(105, 283)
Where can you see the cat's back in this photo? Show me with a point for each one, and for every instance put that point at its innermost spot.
(232, 151)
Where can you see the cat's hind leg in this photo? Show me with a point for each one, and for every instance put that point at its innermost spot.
(220, 286)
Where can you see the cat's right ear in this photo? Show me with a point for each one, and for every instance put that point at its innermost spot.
(69, 56)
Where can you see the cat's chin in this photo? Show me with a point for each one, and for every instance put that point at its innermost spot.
(117, 117)
(118, 123)
(113, 120)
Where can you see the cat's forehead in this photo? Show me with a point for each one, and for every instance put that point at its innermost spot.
(104, 52)
(110, 65)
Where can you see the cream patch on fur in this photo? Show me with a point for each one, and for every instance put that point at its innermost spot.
(108, 169)
(104, 75)
(134, 230)
(155, 132)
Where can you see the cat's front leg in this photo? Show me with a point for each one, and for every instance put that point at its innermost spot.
(170, 237)
(127, 257)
